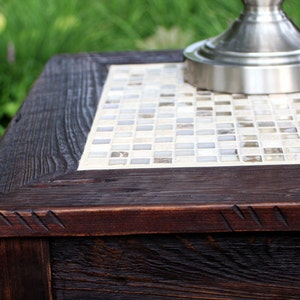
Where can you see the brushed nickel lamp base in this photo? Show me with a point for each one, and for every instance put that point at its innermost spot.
(258, 54)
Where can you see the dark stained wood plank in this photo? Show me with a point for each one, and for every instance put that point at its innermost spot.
(156, 201)
(25, 269)
(175, 186)
(99, 221)
(231, 266)
(47, 136)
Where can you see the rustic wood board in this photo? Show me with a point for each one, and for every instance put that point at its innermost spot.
(25, 269)
(190, 266)
(42, 194)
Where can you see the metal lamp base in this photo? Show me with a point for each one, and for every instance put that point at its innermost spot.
(258, 54)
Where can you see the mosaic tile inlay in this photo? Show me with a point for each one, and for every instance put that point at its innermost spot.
(148, 117)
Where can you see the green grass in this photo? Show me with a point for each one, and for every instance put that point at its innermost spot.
(32, 31)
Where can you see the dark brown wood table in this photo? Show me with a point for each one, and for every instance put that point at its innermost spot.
(185, 233)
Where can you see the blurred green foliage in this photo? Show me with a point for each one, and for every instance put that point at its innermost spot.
(32, 31)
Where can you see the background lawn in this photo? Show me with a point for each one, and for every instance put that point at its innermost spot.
(31, 31)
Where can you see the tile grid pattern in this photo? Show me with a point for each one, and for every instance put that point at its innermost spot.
(148, 117)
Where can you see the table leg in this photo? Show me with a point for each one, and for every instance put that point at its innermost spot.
(25, 269)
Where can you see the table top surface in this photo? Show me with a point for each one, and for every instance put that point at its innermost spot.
(43, 194)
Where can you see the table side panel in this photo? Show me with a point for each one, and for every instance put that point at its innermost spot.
(218, 266)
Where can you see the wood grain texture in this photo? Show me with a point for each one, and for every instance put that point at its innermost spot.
(25, 269)
(47, 136)
(155, 201)
(231, 266)
(107, 221)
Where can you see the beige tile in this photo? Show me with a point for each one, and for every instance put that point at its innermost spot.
(148, 117)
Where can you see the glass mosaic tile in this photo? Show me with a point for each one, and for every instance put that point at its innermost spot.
(148, 117)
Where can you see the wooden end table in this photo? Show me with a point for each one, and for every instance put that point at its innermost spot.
(186, 233)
